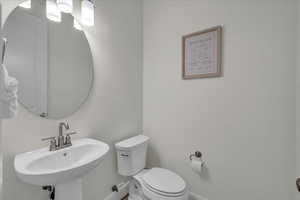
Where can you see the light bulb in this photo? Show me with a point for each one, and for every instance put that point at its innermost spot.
(87, 13)
(25, 4)
(77, 25)
(65, 6)
(53, 13)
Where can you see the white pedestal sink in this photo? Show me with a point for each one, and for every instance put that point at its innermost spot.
(62, 168)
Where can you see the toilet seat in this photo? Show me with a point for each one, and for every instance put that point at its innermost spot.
(150, 195)
(163, 182)
(164, 193)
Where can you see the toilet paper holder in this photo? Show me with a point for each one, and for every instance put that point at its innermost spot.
(197, 155)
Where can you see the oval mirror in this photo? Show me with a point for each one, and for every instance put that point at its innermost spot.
(51, 60)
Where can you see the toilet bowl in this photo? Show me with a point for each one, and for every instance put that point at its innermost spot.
(147, 184)
(161, 184)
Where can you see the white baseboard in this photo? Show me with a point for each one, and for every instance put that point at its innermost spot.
(124, 189)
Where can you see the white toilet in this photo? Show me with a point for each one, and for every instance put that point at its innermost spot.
(147, 184)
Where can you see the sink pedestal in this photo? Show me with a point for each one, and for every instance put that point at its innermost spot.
(69, 191)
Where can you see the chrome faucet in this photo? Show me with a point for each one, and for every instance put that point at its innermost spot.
(61, 137)
(62, 141)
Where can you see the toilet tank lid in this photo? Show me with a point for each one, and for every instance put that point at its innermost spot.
(131, 142)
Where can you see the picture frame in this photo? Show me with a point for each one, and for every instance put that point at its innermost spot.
(202, 54)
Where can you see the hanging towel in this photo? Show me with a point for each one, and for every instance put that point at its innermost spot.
(8, 94)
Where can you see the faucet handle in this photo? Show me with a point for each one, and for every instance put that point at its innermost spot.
(48, 138)
(52, 146)
(68, 138)
(72, 133)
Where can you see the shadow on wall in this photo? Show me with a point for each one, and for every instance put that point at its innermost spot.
(153, 159)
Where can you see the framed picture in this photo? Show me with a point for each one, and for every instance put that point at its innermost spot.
(202, 54)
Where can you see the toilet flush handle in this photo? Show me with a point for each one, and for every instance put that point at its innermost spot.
(124, 154)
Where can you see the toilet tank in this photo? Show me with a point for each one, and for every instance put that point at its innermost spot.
(131, 155)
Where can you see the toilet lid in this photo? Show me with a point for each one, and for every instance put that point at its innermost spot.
(163, 180)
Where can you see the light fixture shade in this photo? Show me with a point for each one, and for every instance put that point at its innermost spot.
(25, 4)
(65, 6)
(87, 13)
(53, 13)
(77, 25)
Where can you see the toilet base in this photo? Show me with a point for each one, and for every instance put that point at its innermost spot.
(135, 191)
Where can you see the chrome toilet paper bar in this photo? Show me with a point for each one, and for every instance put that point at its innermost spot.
(197, 154)
(197, 164)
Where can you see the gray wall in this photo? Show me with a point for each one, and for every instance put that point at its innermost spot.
(243, 122)
(112, 112)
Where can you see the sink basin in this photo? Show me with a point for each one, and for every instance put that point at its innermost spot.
(43, 167)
